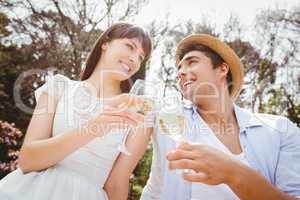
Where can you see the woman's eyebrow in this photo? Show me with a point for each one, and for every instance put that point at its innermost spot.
(142, 56)
(133, 44)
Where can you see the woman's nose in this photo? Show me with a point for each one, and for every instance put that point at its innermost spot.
(134, 58)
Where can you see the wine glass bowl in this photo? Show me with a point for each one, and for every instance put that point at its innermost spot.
(145, 106)
(171, 120)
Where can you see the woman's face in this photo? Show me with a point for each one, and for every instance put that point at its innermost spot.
(121, 58)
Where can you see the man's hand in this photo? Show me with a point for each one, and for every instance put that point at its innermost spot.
(211, 165)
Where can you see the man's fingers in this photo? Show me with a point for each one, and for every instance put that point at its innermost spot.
(180, 154)
(195, 177)
(185, 146)
(183, 164)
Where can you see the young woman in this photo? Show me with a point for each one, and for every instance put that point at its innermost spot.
(72, 140)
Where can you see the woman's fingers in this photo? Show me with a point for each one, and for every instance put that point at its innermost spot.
(119, 121)
(115, 117)
(124, 100)
(137, 117)
(108, 122)
(117, 100)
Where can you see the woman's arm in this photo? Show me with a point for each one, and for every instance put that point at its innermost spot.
(118, 179)
(40, 150)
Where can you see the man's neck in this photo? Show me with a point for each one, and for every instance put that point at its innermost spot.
(218, 114)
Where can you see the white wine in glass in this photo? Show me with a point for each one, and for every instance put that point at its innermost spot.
(172, 125)
(172, 122)
(145, 108)
(171, 119)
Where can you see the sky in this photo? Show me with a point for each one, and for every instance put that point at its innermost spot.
(215, 10)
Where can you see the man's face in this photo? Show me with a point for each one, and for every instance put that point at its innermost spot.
(197, 77)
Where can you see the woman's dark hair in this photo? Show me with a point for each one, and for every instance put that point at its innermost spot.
(215, 58)
(117, 31)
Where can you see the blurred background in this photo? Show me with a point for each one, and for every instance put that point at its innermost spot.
(42, 38)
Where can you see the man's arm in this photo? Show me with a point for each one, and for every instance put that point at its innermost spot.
(214, 167)
(248, 184)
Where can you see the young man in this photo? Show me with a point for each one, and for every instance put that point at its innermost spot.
(233, 154)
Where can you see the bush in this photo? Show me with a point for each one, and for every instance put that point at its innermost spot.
(10, 144)
(140, 175)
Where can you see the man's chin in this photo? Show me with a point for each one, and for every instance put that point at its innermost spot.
(188, 95)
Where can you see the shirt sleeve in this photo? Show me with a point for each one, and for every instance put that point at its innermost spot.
(153, 188)
(287, 177)
(54, 86)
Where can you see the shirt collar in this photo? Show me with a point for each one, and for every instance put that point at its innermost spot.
(245, 118)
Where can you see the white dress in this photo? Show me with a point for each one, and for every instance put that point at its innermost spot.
(82, 174)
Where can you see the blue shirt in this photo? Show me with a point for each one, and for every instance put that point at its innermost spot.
(271, 145)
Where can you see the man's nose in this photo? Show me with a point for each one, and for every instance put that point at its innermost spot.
(182, 72)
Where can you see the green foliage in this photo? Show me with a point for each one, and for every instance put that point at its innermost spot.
(140, 175)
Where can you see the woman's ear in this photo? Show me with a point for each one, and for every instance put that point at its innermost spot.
(104, 45)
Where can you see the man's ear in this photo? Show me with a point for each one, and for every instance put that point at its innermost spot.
(224, 70)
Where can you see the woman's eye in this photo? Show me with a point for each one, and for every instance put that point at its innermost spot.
(129, 46)
(142, 57)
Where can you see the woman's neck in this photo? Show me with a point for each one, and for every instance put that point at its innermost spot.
(105, 86)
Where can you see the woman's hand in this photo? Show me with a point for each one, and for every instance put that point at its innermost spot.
(211, 165)
(117, 114)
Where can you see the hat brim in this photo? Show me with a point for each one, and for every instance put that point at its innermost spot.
(228, 55)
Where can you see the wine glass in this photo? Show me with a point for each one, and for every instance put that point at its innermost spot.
(139, 88)
(172, 122)
(171, 119)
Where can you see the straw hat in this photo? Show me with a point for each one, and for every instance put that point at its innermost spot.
(229, 56)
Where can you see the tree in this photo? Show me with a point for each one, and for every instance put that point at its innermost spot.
(49, 37)
(279, 44)
(45, 38)
(13, 60)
